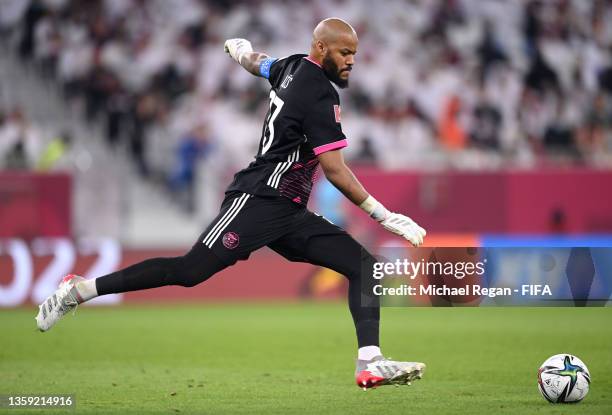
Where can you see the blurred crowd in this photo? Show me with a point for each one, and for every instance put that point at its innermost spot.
(437, 83)
(24, 146)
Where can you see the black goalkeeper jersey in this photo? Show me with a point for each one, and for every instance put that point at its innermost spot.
(303, 121)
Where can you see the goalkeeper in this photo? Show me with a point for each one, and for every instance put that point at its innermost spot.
(265, 205)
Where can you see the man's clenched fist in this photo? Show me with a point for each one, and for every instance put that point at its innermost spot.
(237, 47)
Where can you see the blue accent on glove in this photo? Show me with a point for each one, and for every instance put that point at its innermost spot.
(264, 67)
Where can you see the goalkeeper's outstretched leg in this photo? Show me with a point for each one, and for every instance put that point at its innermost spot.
(198, 265)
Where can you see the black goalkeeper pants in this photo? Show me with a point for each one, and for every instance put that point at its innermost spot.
(246, 223)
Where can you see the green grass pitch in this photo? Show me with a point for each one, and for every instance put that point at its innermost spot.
(298, 358)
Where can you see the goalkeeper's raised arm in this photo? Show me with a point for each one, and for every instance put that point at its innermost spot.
(242, 52)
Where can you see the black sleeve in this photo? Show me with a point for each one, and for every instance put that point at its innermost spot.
(275, 69)
(322, 124)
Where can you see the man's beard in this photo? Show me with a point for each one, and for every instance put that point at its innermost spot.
(332, 72)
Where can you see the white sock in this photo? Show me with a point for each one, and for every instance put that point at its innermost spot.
(87, 289)
(368, 352)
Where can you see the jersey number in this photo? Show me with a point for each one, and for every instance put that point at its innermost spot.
(268, 136)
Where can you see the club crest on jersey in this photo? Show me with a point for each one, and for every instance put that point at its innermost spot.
(287, 81)
(231, 240)
(337, 112)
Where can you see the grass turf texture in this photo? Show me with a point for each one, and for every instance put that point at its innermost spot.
(284, 359)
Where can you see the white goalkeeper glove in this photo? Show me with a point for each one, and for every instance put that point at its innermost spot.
(394, 222)
(237, 48)
(404, 226)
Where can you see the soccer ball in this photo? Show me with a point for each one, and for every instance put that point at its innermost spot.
(563, 378)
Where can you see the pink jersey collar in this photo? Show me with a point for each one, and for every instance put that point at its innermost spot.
(313, 61)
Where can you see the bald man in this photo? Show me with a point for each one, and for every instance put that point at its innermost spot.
(265, 205)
